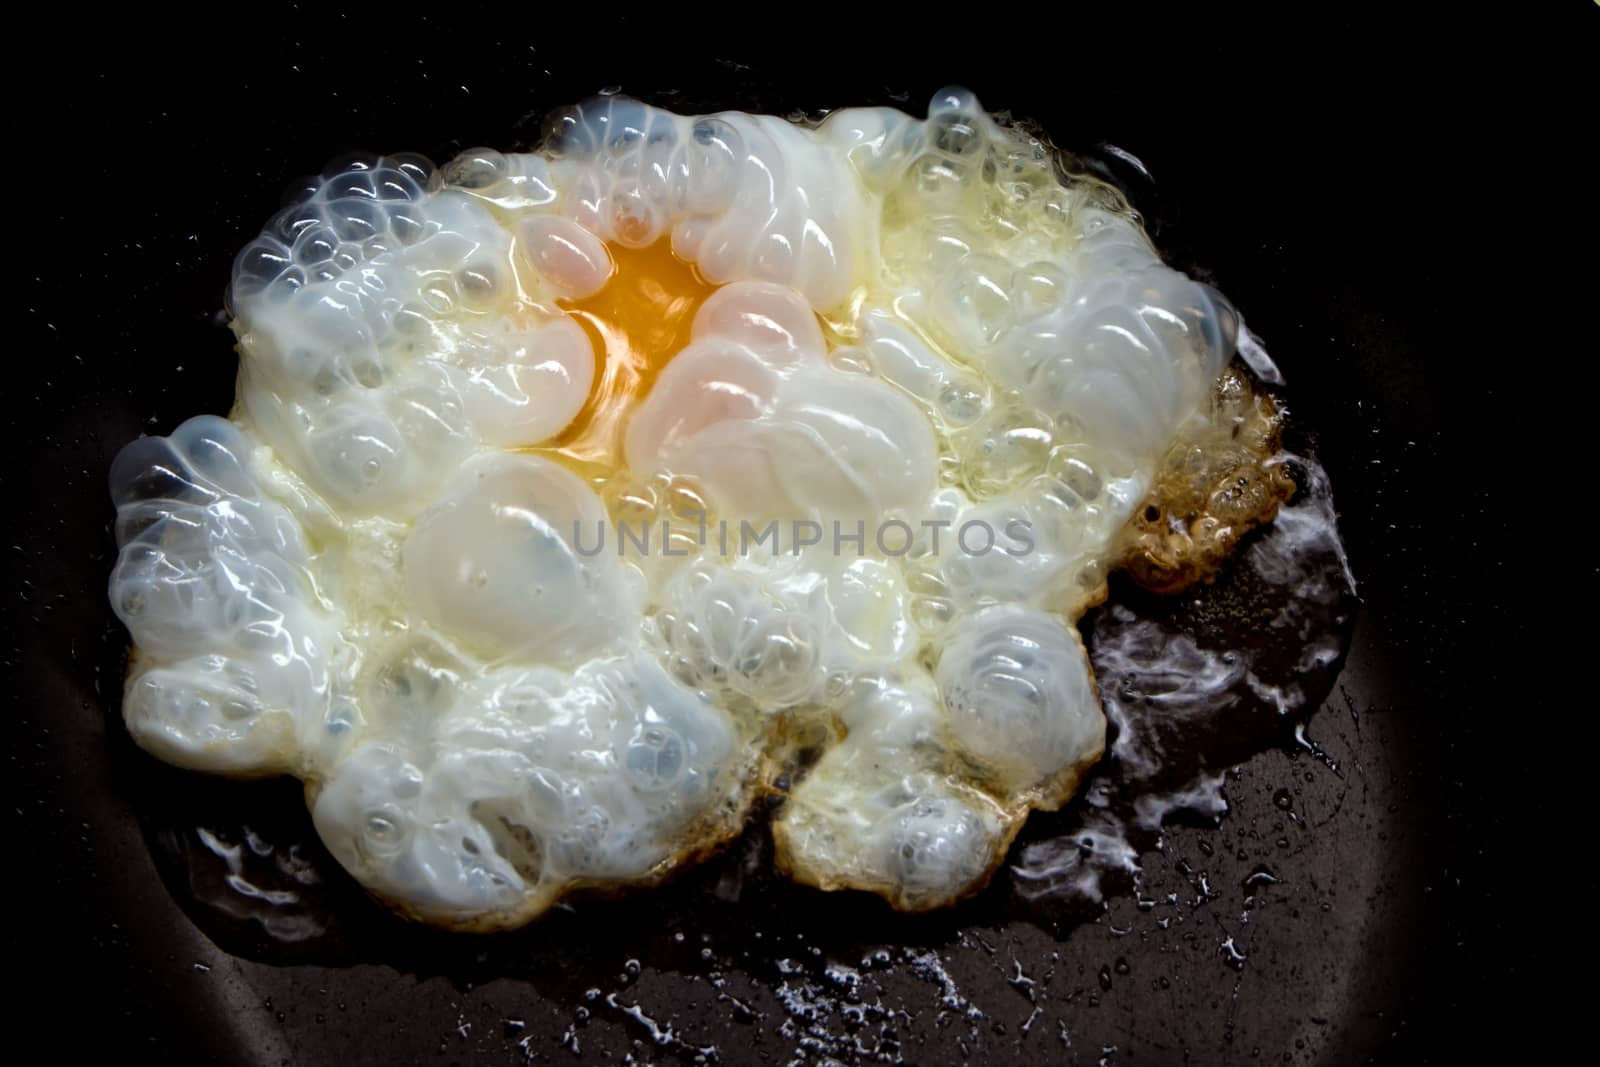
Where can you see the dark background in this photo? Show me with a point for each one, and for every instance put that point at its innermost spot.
(1368, 194)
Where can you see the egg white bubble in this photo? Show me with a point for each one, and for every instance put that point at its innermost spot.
(1020, 700)
(534, 781)
(883, 811)
(495, 563)
(752, 410)
(234, 652)
(385, 573)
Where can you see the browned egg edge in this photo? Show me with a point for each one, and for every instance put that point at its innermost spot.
(1214, 486)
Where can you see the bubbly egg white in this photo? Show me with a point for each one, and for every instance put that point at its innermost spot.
(380, 573)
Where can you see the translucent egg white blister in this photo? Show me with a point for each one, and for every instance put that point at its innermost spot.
(376, 577)
(753, 412)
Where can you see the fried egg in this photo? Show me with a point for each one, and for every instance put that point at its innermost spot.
(573, 499)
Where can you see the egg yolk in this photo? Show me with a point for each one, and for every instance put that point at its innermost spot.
(637, 322)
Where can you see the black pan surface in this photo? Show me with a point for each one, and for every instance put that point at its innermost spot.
(1314, 173)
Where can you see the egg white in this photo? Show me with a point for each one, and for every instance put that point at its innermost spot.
(373, 574)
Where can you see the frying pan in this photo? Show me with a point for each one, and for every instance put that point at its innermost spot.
(1311, 183)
